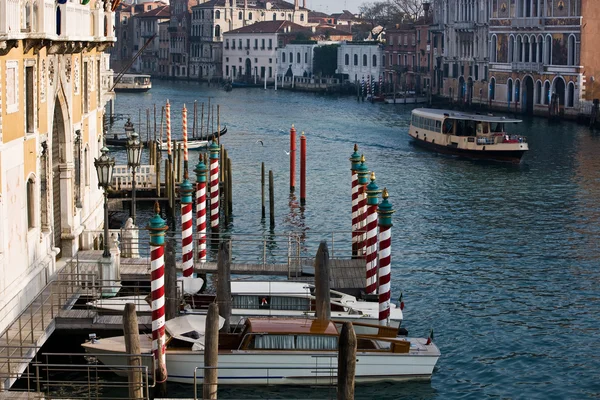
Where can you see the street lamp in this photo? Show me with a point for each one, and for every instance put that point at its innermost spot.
(134, 153)
(104, 168)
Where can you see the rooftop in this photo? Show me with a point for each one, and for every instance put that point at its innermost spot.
(269, 27)
(276, 5)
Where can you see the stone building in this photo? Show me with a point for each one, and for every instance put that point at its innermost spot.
(179, 38)
(540, 48)
(147, 24)
(55, 79)
(358, 60)
(212, 19)
(465, 58)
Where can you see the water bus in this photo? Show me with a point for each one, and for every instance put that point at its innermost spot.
(474, 136)
(133, 83)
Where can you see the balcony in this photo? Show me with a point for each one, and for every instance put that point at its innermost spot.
(63, 22)
(563, 69)
(527, 67)
(527, 23)
(465, 26)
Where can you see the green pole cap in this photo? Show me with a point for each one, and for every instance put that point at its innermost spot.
(185, 190)
(355, 158)
(214, 149)
(157, 228)
(200, 171)
(373, 192)
(385, 210)
(363, 172)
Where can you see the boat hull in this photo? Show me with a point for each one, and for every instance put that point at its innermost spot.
(131, 90)
(511, 156)
(246, 367)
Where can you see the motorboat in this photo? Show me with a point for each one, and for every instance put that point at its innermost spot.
(279, 351)
(474, 136)
(195, 144)
(268, 299)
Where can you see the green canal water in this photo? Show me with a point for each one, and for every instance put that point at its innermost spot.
(502, 261)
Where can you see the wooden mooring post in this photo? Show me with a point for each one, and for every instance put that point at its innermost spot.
(346, 362)
(224, 283)
(229, 186)
(262, 189)
(271, 201)
(132, 346)
(211, 353)
(322, 292)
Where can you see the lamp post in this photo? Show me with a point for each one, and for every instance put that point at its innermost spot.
(104, 168)
(134, 154)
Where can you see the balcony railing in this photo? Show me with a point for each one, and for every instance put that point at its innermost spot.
(536, 23)
(70, 21)
(527, 66)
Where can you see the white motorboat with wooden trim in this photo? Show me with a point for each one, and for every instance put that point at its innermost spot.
(286, 352)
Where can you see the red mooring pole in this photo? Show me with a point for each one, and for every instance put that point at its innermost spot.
(302, 169)
(292, 159)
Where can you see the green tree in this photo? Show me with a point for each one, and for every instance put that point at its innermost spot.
(325, 60)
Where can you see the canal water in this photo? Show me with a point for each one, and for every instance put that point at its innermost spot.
(500, 260)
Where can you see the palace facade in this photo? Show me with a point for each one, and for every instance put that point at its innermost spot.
(55, 79)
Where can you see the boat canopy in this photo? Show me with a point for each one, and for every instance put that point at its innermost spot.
(441, 114)
(291, 326)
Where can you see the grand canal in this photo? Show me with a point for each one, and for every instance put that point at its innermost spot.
(500, 260)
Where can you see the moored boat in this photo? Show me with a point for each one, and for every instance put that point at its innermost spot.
(281, 351)
(133, 83)
(468, 135)
(269, 299)
(195, 144)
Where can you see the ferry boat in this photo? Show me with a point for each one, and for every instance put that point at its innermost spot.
(133, 83)
(474, 136)
(276, 351)
(269, 299)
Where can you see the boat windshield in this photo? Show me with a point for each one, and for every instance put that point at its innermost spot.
(497, 127)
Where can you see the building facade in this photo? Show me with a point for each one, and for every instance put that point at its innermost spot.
(55, 79)
(250, 53)
(147, 24)
(212, 19)
(296, 59)
(465, 58)
(358, 60)
(536, 52)
(179, 38)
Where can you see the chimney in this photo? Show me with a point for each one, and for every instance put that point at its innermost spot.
(303, 3)
(296, 5)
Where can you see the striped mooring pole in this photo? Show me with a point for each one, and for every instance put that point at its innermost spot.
(168, 121)
(354, 165)
(302, 169)
(157, 230)
(201, 209)
(363, 179)
(187, 231)
(214, 186)
(371, 258)
(385, 212)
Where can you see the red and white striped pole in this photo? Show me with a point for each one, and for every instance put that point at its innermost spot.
(157, 230)
(168, 119)
(302, 169)
(385, 212)
(363, 180)
(371, 258)
(187, 231)
(355, 163)
(214, 186)
(201, 209)
(185, 138)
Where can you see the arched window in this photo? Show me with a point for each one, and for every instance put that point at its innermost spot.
(374, 60)
(533, 55)
(364, 60)
(519, 49)
(301, 17)
(548, 50)
(571, 58)
(218, 30)
(511, 49)
(30, 203)
(356, 59)
(538, 92)
(291, 57)
(509, 93)
(547, 93)
(492, 89)
(517, 90)
(59, 18)
(26, 17)
(218, 14)
(250, 16)
(347, 59)
(274, 16)
(298, 58)
(305, 58)
(494, 49)
(86, 165)
(240, 15)
(282, 57)
(571, 95)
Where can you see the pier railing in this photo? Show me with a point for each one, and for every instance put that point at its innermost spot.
(294, 249)
(145, 177)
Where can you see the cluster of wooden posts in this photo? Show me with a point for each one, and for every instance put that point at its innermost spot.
(222, 307)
